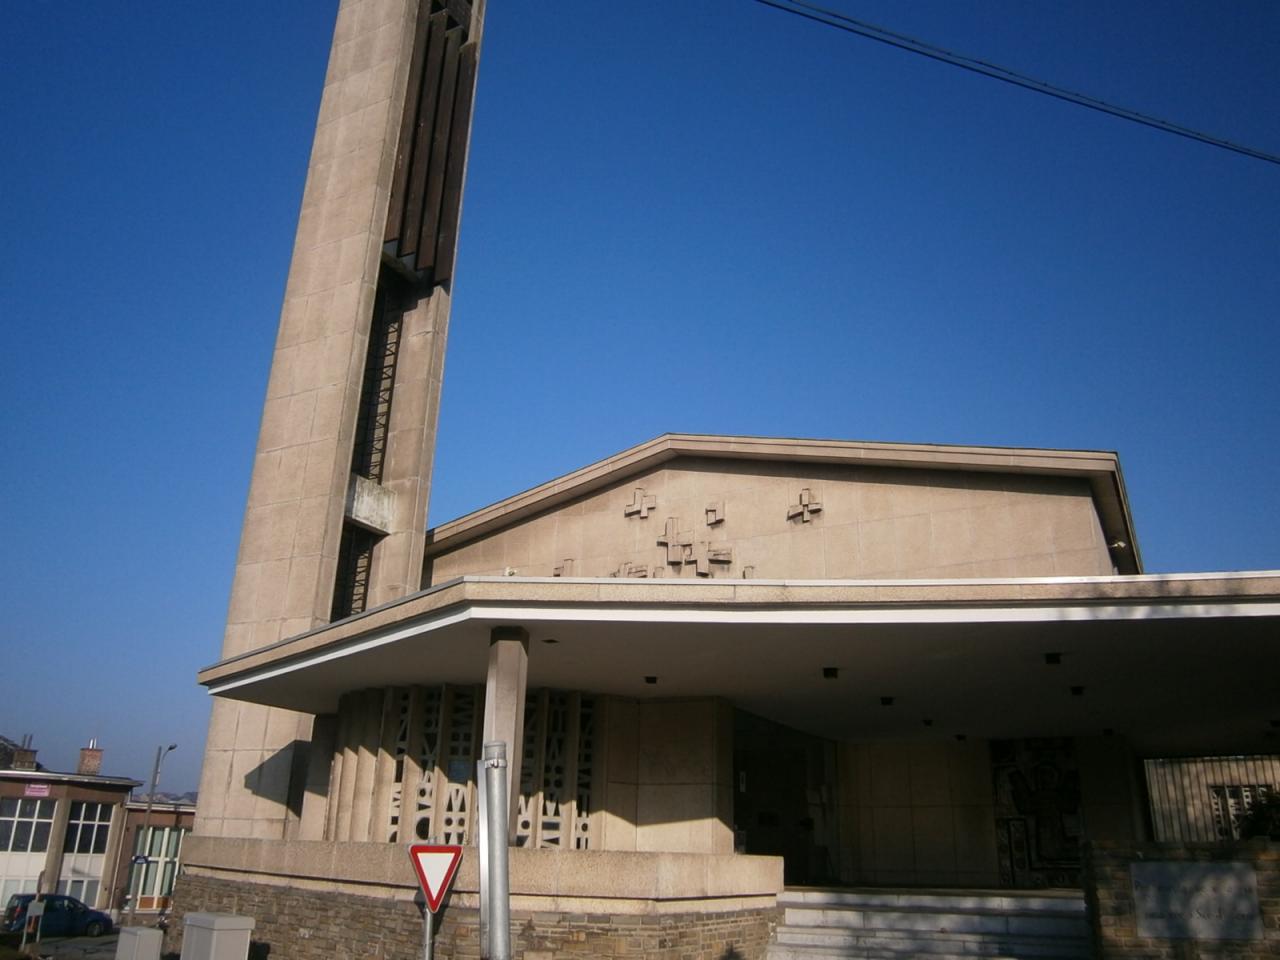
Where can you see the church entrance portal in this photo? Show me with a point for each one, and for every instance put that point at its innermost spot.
(784, 798)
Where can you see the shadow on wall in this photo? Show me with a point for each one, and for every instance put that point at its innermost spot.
(282, 776)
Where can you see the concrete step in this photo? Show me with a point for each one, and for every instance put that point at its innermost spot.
(779, 952)
(895, 924)
(1018, 924)
(931, 944)
(1068, 902)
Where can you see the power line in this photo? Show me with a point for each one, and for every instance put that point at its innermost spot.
(839, 21)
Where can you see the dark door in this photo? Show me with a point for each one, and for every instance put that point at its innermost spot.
(784, 799)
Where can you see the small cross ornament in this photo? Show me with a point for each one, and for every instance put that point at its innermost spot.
(807, 506)
(640, 505)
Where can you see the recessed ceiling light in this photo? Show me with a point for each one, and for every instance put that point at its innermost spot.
(651, 680)
(1052, 659)
(1077, 691)
(830, 673)
(886, 701)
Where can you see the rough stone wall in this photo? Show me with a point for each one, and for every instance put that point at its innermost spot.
(294, 924)
(1109, 891)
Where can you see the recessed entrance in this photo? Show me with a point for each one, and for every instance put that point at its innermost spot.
(784, 798)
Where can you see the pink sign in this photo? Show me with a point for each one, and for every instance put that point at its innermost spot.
(36, 790)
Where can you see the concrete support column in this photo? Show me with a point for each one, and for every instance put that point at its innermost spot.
(504, 691)
(57, 836)
(315, 799)
(118, 832)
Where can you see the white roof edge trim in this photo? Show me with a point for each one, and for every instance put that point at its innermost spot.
(955, 581)
(355, 645)
(905, 614)
(779, 615)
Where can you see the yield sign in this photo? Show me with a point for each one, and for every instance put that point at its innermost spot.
(435, 867)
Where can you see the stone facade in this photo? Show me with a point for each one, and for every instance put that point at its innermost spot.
(786, 520)
(1113, 912)
(300, 924)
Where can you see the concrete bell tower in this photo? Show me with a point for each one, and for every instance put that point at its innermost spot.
(336, 515)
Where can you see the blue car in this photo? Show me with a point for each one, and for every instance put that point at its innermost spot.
(63, 916)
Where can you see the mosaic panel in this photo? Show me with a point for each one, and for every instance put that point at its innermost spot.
(1039, 821)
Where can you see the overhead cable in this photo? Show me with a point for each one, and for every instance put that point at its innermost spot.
(839, 21)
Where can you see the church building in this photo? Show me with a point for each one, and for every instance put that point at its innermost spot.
(750, 686)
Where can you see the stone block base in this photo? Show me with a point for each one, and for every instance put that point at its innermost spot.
(297, 924)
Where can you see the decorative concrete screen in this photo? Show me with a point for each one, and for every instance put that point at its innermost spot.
(1205, 798)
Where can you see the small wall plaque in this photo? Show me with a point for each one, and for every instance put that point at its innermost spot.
(1196, 901)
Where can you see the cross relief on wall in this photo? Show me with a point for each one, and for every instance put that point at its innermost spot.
(683, 550)
(705, 554)
(640, 505)
(679, 543)
(805, 508)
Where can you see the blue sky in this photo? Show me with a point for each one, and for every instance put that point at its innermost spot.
(718, 219)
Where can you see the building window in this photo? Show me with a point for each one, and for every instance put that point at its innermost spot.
(152, 881)
(25, 825)
(87, 828)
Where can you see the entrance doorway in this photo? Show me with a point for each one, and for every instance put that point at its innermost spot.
(784, 798)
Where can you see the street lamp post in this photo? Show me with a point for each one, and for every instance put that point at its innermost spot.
(161, 753)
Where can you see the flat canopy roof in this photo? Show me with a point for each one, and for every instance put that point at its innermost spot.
(1180, 664)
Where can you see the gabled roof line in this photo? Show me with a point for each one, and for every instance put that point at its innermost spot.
(1101, 468)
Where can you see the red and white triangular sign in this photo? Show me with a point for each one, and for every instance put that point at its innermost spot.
(435, 867)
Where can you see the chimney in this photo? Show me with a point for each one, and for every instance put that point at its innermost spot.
(24, 758)
(90, 759)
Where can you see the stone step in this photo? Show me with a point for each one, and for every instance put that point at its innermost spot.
(896, 924)
(1067, 902)
(852, 943)
(779, 952)
(1019, 924)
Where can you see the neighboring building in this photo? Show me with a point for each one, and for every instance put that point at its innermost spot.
(66, 826)
(158, 838)
(725, 665)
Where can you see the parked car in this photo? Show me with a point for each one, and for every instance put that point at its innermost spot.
(63, 916)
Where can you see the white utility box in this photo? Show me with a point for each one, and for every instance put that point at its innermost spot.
(139, 943)
(216, 936)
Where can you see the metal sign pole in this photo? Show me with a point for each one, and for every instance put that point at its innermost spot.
(495, 782)
(428, 920)
(482, 848)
